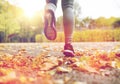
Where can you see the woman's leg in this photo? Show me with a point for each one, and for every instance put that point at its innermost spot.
(68, 22)
(68, 19)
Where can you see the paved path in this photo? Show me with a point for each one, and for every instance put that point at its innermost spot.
(35, 48)
(77, 77)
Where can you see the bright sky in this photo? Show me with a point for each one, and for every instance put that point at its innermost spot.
(97, 8)
(89, 8)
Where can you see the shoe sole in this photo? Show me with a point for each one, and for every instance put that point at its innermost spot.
(68, 53)
(49, 28)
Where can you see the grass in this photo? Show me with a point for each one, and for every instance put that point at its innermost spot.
(94, 35)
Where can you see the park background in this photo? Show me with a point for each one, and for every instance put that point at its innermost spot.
(19, 24)
(26, 56)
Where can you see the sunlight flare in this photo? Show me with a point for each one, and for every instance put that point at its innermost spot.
(30, 7)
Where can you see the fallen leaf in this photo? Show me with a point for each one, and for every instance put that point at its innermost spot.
(63, 70)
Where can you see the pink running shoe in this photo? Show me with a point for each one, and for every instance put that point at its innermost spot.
(68, 50)
(50, 25)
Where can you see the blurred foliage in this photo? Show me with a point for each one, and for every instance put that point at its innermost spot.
(116, 24)
(15, 25)
(97, 35)
(8, 17)
(94, 35)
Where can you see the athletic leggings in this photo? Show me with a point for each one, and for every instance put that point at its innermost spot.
(68, 16)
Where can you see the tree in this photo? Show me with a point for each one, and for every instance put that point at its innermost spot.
(77, 12)
(116, 24)
(86, 22)
(59, 23)
(8, 17)
(2, 36)
(106, 23)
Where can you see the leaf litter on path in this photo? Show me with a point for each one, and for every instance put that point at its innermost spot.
(45, 64)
